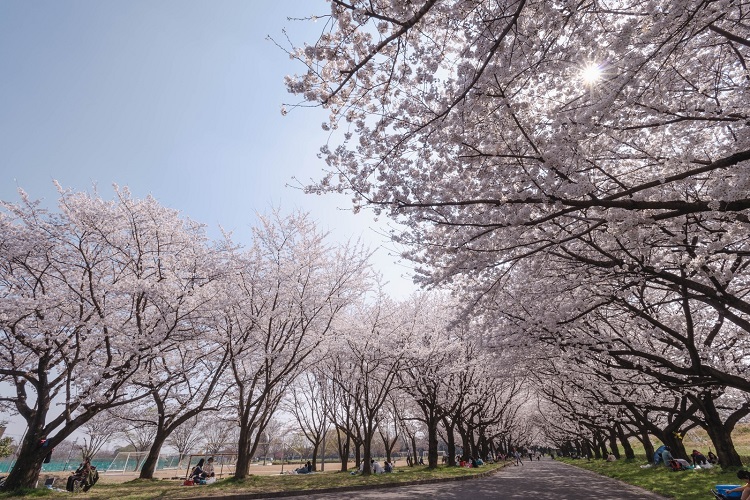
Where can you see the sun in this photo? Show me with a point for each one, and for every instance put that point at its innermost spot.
(591, 74)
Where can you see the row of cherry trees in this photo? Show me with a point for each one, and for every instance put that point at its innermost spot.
(403, 368)
(123, 309)
(124, 304)
(598, 225)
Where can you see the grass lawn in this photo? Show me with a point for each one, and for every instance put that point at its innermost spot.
(140, 489)
(683, 485)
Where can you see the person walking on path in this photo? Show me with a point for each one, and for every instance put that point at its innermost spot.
(517, 454)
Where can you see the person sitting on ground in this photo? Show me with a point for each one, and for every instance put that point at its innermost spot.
(197, 473)
(305, 469)
(611, 457)
(474, 463)
(78, 475)
(712, 459)
(666, 456)
(388, 467)
(376, 467)
(84, 477)
(657, 454)
(480, 461)
(698, 458)
(745, 475)
(680, 464)
(208, 470)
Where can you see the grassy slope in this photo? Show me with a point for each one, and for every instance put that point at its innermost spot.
(683, 485)
(146, 490)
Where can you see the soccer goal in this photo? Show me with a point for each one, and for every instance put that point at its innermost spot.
(126, 462)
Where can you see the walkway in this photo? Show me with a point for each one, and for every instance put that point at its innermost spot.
(539, 480)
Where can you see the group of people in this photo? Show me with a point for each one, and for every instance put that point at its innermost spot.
(663, 455)
(305, 469)
(203, 471)
(376, 468)
(699, 458)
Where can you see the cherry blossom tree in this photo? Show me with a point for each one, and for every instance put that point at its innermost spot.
(590, 157)
(99, 431)
(496, 130)
(344, 390)
(218, 432)
(308, 402)
(89, 295)
(184, 381)
(286, 292)
(430, 366)
(371, 346)
(388, 427)
(185, 437)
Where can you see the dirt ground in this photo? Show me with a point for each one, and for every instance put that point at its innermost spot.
(180, 474)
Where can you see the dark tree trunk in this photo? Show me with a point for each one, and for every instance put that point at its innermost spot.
(366, 448)
(343, 448)
(720, 436)
(629, 453)
(315, 456)
(484, 446)
(415, 455)
(601, 445)
(357, 454)
(242, 468)
(613, 442)
(675, 444)
(466, 443)
(450, 440)
(26, 470)
(648, 446)
(432, 444)
(152, 459)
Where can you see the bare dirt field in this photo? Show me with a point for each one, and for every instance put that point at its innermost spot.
(180, 474)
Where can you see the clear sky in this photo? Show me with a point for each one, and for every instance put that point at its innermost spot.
(179, 99)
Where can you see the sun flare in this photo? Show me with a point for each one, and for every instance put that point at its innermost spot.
(591, 74)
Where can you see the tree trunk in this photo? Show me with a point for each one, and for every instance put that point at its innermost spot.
(343, 449)
(152, 459)
(242, 469)
(484, 446)
(450, 439)
(466, 444)
(315, 456)
(629, 453)
(367, 448)
(432, 444)
(602, 445)
(675, 444)
(415, 455)
(720, 436)
(28, 466)
(357, 454)
(613, 442)
(387, 446)
(648, 446)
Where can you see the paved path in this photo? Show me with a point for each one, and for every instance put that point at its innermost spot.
(539, 480)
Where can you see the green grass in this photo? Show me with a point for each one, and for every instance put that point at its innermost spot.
(683, 485)
(140, 489)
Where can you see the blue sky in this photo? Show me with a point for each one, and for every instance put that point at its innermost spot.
(177, 99)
